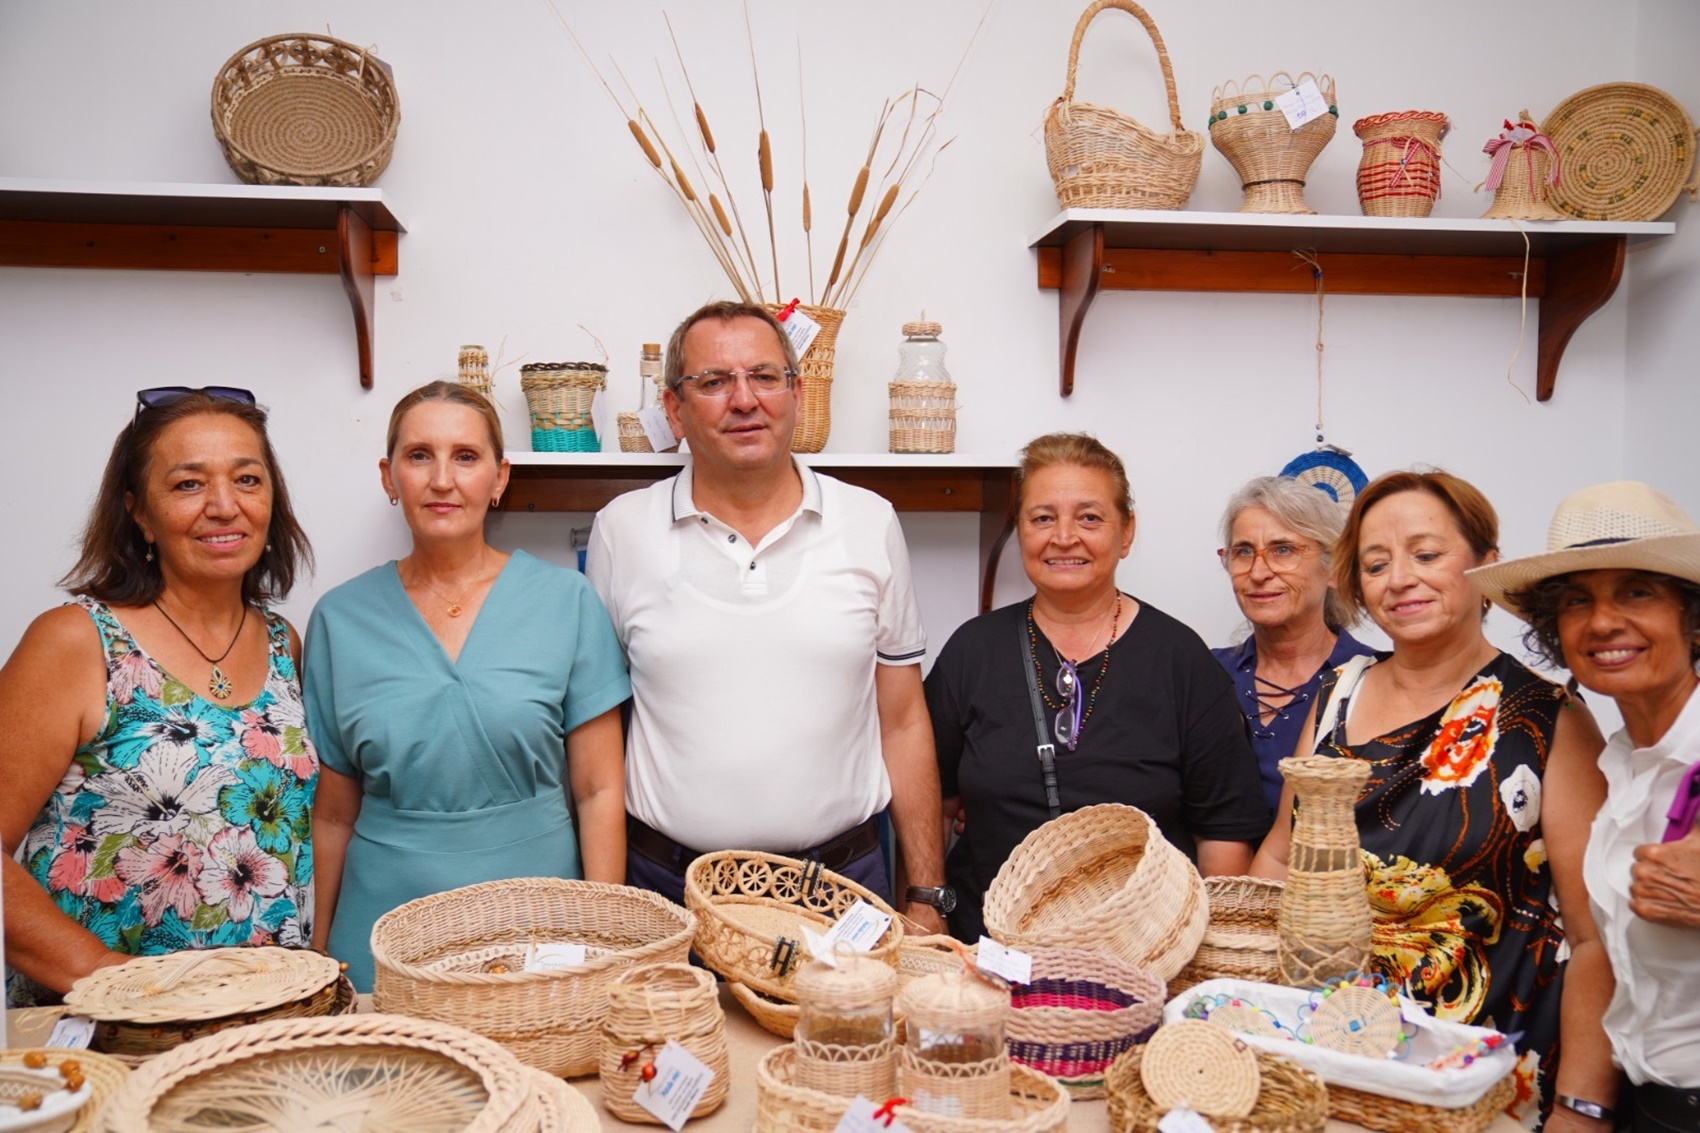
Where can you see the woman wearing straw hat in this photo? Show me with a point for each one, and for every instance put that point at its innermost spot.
(1616, 600)
(1481, 784)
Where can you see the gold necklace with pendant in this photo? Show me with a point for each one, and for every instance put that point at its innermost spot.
(218, 684)
(454, 607)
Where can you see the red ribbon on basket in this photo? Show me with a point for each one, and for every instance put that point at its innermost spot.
(785, 311)
(888, 1111)
(1525, 134)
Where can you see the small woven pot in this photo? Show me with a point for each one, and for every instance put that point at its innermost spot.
(305, 110)
(647, 1007)
(560, 396)
(1290, 1099)
(457, 957)
(750, 907)
(1100, 878)
(814, 371)
(1399, 174)
(1080, 1012)
(923, 416)
(1240, 940)
(1270, 156)
(1323, 931)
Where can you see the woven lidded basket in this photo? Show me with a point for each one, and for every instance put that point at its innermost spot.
(751, 909)
(560, 396)
(457, 957)
(647, 1007)
(1081, 1011)
(1625, 150)
(1240, 940)
(305, 110)
(1101, 159)
(1290, 1099)
(1399, 173)
(1270, 156)
(1100, 878)
(400, 1075)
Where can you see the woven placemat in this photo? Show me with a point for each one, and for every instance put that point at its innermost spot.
(1356, 1020)
(1190, 1063)
(1624, 151)
(206, 984)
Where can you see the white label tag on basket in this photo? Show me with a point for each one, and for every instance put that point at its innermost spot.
(1183, 1120)
(859, 1118)
(860, 927)
(819, 947)
(72, 1032)
(680, 1079)
(553, 957)
(1412, 1012)
(657, 429)
(1012, 965)
(1302, 104)
(801, 330)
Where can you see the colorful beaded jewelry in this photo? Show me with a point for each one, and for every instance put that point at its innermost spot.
(1459, 1057)
(1097, 682)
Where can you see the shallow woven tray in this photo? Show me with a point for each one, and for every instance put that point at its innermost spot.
(102, 1074)
(210, 983)
(1100, 878)
(1624, 151)
(746, 902)
(1079, 1013)
(1290, 1099)
(548, 1019)
(1240, 938)
(403, 1075)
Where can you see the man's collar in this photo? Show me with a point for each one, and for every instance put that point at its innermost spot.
(684, 505)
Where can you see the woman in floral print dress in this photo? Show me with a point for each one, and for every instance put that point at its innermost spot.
(160, 778)
(1482, 782)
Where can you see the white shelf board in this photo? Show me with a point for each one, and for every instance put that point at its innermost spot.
(235, 205)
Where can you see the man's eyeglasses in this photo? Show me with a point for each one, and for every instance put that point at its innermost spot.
(1067, 725)
(161, 396)
(1278, 557)
(721, 383)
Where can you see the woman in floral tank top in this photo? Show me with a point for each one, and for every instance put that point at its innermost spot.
(161, 775)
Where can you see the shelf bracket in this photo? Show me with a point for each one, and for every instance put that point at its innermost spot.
(1578, 283)
(357, 258)
(1082, 267)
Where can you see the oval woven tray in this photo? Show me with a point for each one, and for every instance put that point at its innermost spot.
(208, 984)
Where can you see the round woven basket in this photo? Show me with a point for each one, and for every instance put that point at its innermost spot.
(434, 959)
(305, 110)
(1625, 150)
(400, 1075)
(560, 396)
(751, 908)
(102, 1074)
(1240, 940)
(648, 1007)
(814, 372)
(1104, 879)
(1323, 928)
(1399, 174)
(1290, 1099)
(1079, 1013)
(1102, 159)
(1270, 156)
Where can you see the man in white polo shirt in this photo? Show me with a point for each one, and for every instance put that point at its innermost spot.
(774, 640)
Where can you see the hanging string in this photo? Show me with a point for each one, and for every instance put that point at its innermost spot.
(1523, 316)
(1321, 293)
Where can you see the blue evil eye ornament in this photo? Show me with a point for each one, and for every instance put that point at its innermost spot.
(1331, 470)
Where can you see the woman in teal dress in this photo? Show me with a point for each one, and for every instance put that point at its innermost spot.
(456, 696)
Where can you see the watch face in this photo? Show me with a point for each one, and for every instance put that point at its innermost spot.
(947, 900)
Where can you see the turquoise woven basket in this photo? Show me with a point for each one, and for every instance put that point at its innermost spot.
(559, 396)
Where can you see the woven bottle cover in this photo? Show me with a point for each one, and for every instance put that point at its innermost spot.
(853, 988)
(1204, 1068)
(1356, 1020)
(1324, 921)
(205, 984)
(922, 329)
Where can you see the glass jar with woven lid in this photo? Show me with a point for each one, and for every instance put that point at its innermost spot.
(845, 1037)
(953, 1059)
(923, 398)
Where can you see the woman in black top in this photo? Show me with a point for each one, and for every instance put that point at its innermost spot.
(1137, 709)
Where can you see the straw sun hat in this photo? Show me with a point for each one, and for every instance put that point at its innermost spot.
(1625, 525)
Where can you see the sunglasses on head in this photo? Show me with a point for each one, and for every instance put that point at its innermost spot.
(161, 396)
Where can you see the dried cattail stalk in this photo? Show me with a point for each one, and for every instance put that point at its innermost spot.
(765, 151)
(857, 190)
(720, 214)
(684, 182)
(808, 214)
(886, 202)
(648, 150)
(702, 126)
(838, 260)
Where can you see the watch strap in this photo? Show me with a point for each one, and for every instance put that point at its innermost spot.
(1586, 1108)
(925, 894)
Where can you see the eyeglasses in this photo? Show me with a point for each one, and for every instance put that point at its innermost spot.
(1278, 557)
(715, 384)
(1067, 724)
(161, 396)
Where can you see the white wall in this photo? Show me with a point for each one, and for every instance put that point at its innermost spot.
(530, 213)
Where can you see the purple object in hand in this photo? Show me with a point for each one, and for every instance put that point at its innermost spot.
(1683, 809)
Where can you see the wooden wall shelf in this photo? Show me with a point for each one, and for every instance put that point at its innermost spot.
(584, 482)
(249, 228)
(1573, 265)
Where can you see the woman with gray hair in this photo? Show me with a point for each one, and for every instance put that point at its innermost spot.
(1276, 535)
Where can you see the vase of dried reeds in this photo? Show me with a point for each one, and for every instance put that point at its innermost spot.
(1323, 928)
(648, 1007)
(1399, 173)
(846, 1043)
(814, 371)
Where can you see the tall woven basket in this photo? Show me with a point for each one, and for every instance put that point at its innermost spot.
(1102, 159)
(305, 110)
(1323, 930)
(1270, 156)
(1399, 174)
(560, 396)
(814, 370)
(649, 1006)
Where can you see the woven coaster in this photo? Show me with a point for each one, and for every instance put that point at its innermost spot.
(1244, 1019)
(1191, 1063)
(1356, 1020)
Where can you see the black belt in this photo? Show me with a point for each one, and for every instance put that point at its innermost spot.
(835, 853)
(1666, 1107)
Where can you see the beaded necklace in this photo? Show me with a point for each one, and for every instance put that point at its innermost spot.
(1097, 682)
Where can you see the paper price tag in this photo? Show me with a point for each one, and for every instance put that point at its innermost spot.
(861, 926)
(72, 1032)
(859, 1118)
(657, 429)
(820, 947)
(553, 957)
(1302, 104)
(1184, 1120)
(1411, 1011)
(801, 330)
(1013, 965)
(679, 1082)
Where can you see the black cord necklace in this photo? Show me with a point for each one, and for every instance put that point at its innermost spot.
(1098, 681)
(219, 684)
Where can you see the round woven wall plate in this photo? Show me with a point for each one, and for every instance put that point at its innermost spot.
(1356, 1020)
(1204, 1068)
(206, 984)
(1624, 152)
(313, 123)
(1330, 471)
